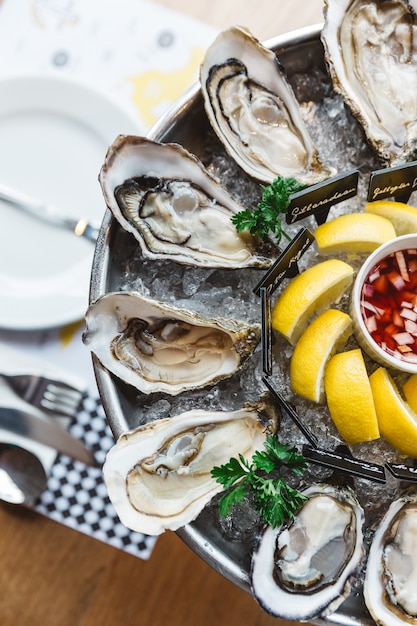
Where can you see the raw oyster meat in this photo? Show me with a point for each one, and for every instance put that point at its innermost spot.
(157, 347)
(371, 52)
(176, 210)
(158, 476)
(390, 588)
(304, 569)
(254, 112)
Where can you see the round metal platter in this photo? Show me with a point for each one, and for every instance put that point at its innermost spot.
(186, 123)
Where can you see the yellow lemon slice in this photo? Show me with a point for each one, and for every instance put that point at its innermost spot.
(403, 216)
(310, 292)
(325, 335)
(354, 232)
(410, 392)
(397, 421)
(349, 397)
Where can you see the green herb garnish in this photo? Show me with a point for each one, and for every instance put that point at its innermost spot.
(274, 499)
(266, 218)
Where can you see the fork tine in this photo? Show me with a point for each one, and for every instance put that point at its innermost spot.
(61, 399)
(49, 394)
(60, 409)
(72, 395)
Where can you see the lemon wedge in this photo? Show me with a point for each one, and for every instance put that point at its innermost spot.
(325, 335)
(349, 397)
(310, 292)
(354, 232)
(403, 216)
(410, 392)
(397, 421)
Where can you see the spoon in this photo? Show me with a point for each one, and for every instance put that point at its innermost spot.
(22, 475)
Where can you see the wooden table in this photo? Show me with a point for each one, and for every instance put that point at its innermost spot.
(53, 576)
(264, 18)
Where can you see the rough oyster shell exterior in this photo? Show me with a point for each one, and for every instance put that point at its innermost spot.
(390, 588)
(158, 347)
(304, 569)
(371, 55)
(176, 210)
(159, 476)
(253, 110)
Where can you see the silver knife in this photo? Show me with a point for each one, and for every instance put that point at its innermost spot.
(48, 213)
(45, 431)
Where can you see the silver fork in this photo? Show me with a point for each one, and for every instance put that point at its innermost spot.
(45, 393)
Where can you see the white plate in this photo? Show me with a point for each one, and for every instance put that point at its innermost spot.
(54, 134)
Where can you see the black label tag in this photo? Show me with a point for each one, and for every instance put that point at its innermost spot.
(286, 265)
(393, 182)
(318, 199)
(266, 336)
(291, 412)
(402, 472)
(345, 463)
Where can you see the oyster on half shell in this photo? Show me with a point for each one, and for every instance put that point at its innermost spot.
(304, 569)
(390, 588)
(253, 110)
(157, 347)
(371, 52)
(176, 210)
(159, 476)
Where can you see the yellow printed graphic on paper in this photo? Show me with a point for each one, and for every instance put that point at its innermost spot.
(54, 14)
(154, 90)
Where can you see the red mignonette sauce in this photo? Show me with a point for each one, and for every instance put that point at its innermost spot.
(389, 304)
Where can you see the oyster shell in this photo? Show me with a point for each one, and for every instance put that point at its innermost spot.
(304, 569)
(157, 347)
(254, 112)
(176, 210)
(158, 476)
(371, 55)
(390, 588)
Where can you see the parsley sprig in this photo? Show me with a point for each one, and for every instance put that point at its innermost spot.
(274, 499)
(266, 218)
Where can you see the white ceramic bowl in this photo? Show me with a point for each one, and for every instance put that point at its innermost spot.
(363, 336)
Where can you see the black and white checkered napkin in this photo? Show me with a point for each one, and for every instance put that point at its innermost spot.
(76, 494)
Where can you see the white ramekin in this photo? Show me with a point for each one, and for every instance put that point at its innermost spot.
(362, 335)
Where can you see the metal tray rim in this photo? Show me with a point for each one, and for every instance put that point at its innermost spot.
(190, 534)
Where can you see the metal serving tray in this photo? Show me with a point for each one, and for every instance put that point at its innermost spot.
(186, 124)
